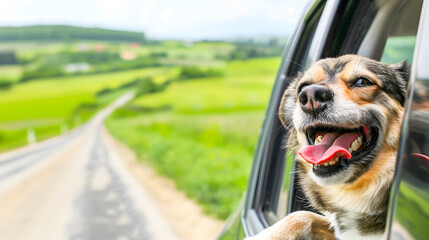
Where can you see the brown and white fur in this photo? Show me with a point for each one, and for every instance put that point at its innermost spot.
(352, 201)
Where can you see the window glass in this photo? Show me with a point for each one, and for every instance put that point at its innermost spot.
(398, 49)
(301, 51)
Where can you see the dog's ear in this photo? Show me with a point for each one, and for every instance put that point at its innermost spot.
(403, 70)
(403, 75)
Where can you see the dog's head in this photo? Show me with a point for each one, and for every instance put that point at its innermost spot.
(342, 113)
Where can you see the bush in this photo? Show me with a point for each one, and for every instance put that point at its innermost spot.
(5, 85)
(197, 72)
(248, 52)
(7, 57)
(158, 55)
(146, 86)
(41, 72)
(104, 91)
(139, 62)
(91, 57)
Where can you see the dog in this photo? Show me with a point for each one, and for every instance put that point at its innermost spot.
(343, 117)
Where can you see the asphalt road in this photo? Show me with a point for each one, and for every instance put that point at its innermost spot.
(75, 186)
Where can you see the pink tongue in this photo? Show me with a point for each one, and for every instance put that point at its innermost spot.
(332, 146)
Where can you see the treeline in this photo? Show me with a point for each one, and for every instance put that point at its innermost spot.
(50, 70)
(66, 33)
(246, 49)
(7, 57)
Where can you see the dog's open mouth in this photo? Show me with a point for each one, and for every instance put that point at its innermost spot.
(333, 148)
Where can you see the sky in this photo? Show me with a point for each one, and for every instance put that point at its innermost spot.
(163, 19)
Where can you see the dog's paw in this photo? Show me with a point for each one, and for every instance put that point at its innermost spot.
(300, 225)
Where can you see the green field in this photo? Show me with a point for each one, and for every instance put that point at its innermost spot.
(63, 100)
(47, 105)
(202, 133)
(10, 73)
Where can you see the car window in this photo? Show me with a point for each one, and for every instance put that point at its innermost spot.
(398, 49)
(359, 27)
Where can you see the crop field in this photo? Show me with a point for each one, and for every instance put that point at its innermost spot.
(202, 133)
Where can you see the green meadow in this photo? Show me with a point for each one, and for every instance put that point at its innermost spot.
(202, 132)
(49, 105)
(10, 73)
(197, 112)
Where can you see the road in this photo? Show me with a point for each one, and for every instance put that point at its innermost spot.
(75, 186)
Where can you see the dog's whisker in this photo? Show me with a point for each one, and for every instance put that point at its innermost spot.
(298, 64)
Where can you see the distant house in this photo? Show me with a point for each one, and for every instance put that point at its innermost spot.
(100, 47)
(127, 55)
(77, 67)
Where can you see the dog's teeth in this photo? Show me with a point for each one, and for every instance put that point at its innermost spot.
(359, 142)
(318, 140)
(356, 144)
(332, 163)
(326, 164)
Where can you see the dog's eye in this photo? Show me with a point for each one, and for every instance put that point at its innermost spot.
(362, 82)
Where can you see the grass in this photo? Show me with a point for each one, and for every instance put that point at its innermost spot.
(11, 73)
(205, 160)
(12, 138)
(237, 91)
(48, 104)
(205, 139)
(60, 96)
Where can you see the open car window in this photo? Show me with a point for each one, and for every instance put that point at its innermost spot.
(356, 27)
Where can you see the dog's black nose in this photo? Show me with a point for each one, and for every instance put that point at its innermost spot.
(315, 98)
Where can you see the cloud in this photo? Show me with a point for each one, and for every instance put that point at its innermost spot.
(188, 19)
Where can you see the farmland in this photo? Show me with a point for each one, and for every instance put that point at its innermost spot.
(195, 119)
(47, 105)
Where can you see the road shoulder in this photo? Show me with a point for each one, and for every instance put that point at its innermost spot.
(183, 214)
